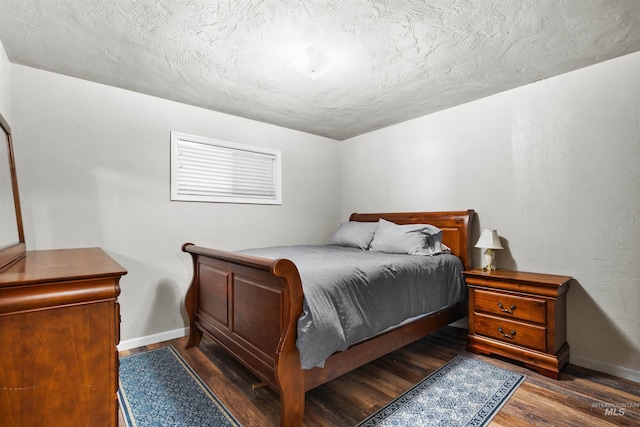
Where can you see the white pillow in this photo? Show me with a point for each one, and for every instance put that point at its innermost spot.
(354, 234)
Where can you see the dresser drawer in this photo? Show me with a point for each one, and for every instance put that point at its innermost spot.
(521, 334)
(510, 306)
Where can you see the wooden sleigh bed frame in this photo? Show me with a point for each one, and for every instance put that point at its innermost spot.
(251, 306)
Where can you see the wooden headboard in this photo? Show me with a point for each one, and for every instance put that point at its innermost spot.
(455, 226)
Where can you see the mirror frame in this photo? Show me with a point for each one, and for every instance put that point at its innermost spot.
(13, 251)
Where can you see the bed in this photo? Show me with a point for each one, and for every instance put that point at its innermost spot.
(252, 305)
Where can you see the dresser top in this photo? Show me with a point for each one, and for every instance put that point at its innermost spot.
(60, 265)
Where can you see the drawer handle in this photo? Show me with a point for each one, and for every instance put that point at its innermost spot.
(510, 335)
(507, 310)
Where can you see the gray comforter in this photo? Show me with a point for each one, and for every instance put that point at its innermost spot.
(351, 294)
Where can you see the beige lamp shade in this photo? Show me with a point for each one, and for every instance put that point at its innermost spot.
(489, 240)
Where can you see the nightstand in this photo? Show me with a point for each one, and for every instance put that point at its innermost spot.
(521, 316)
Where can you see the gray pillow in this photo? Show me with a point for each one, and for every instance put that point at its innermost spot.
(354, 234)
(412, 239)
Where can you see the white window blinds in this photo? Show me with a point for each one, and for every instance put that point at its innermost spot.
(210, 170)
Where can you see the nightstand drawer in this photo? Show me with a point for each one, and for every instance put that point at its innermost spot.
(518, 333)
(510, 306)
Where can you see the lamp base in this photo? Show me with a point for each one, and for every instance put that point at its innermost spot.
(489, 258)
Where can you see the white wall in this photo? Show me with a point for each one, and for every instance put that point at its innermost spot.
(93, 169)
(554, 167)
(5, 82)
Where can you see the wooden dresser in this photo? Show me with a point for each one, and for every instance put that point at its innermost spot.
(519, 315)
(59, 327)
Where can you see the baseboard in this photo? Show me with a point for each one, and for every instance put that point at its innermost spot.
(153, 339)
(607, 368)
(462, 323)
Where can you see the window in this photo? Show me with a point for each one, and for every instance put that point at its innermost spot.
(209, 170)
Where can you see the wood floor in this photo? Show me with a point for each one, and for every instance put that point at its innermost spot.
(581, 397)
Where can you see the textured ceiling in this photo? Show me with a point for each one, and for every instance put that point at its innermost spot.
(389, 60)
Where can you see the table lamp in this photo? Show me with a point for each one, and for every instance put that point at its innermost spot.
(489, 240)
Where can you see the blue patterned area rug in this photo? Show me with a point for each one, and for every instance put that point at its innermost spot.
(464, 392)
(158, 388)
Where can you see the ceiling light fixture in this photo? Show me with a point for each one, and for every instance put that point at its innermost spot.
(311, 62)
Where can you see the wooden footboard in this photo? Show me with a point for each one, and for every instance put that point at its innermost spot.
(251, 306)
